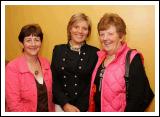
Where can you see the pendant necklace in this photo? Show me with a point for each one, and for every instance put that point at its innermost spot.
(36, 72)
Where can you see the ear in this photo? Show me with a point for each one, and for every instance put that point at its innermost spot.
(122, 38)
(21, 46)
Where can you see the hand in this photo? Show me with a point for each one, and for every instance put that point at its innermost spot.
(70, 108)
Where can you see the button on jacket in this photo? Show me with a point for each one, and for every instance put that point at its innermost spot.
(72, 72)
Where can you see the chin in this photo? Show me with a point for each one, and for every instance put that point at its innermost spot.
(106, 48)
(34, 54)
(80, 41)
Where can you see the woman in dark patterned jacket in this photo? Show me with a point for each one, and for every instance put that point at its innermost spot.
(72, 66)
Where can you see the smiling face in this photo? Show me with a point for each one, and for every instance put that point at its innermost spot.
(32, 45)
(79, 32)
(110, 40)
(112, 30)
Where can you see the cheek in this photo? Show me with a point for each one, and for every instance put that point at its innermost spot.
(101, 39)
(40, 44)
(25, 45)
(72, 30)
(86, 32)
(71, 33)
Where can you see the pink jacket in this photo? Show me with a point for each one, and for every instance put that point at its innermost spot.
(21, 90)
(113, 92)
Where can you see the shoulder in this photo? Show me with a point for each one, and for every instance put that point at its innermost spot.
(16, 63)
(16, 60)
(44, 61)
(59, 46)
(92, 48)
(136, 56)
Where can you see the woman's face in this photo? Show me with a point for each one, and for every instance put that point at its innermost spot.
(110, 40)
(79, 31)
(32, 45)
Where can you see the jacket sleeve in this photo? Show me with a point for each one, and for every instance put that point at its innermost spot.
(12, 90)
(137, 79)
(57, 91)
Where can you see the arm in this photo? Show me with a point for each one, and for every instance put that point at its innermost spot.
(12, 84)
(137, 79)
(57, 91)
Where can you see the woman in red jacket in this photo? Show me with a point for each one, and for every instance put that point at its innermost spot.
(28, 77)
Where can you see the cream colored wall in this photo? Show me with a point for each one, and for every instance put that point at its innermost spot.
(54, 19)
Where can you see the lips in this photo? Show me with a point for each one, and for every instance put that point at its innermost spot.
(33, 49)
(107, 43)
(79, 36)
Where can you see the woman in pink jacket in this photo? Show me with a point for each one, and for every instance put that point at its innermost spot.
(28, 77)
(108, 87)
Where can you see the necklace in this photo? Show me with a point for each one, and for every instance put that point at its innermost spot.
(36, 72)
(77, 49)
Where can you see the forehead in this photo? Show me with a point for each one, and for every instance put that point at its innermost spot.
(109, 29)
(32, 36)
(81, 23)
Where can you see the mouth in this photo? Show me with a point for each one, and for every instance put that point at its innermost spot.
(107, 43)
(33, 49)
(79, 36)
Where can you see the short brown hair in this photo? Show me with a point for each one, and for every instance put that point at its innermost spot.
(75, 18)
(112, 20)
(30, 29)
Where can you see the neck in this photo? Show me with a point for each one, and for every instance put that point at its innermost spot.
(114, 51)
(31, 59)
(75, 45)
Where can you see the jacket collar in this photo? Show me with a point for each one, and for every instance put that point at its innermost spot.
(68, 44)
(24, 67)
(102, 53)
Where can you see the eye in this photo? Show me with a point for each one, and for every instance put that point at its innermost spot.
(76, 27)
(110, 33)
(37, 39)
(27, 40)
(85, 28)
(101, 34)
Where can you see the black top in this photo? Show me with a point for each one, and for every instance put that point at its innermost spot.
(137, 78)
(42, 102)
(72, 72)
(98, 84)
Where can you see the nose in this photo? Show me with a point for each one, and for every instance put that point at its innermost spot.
(33, 42)
(80, 30)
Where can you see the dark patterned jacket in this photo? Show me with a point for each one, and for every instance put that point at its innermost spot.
(71, 73)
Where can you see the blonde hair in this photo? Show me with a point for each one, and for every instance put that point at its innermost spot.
(112, 20)
(74, 19)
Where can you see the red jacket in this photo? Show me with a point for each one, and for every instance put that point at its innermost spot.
(20, 85)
